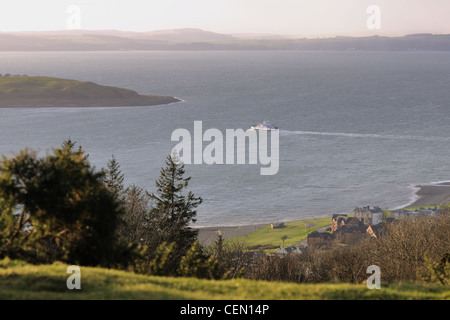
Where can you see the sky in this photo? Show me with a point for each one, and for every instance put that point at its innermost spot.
(289, 17)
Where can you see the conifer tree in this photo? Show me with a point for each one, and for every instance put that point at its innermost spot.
(175, 209)
(114, 178)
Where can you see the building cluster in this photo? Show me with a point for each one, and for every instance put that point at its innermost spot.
(345, 229)
(402, 213)
(366, 222)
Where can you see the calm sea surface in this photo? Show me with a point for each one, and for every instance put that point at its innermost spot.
(357, 128)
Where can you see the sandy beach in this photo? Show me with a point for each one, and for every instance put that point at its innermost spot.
(428, 195)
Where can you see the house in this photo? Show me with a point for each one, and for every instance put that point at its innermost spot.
(341, 220)
(369, 216)
(399, 213)
(277, 225)
(317, 239)
(350, 234)
(376, 231)
(353, 221)
(337, 221)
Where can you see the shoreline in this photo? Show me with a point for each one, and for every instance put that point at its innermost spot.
(426, 195)
(153, 102)
(50, 92)
(432, 194)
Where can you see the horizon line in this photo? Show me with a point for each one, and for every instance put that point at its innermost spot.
(357, 34)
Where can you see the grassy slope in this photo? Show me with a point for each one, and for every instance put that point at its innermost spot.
(24, 281)
(47, 85)
(295, 231)
(48, 91)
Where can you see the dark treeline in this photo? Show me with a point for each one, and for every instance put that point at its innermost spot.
(58, 208)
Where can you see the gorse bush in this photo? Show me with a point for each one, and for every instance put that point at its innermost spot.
(57, 208)
(437, 272)
(199, 265)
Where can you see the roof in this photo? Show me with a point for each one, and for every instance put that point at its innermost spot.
(336, 215)
(365, 209)
(355, 220)
(352, 229)
(378, 229)
(340, 219)
(323, 235)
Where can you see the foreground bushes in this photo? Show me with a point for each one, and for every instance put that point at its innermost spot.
(58, 208)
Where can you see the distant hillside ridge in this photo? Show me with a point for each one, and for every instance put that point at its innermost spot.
(196, 39)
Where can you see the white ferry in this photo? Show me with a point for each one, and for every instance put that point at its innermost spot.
(264, 126)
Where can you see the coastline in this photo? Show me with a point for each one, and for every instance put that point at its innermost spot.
(141, 101)
(432, 194)
(427, 195)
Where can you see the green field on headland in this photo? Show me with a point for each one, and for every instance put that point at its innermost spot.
(34, 91)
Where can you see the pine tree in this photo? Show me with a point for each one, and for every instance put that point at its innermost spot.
(175, 210)
(114, 178)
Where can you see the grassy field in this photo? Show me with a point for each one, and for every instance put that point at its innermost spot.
(34, 86)
(34, 91)
(294, 232)
(24, 281)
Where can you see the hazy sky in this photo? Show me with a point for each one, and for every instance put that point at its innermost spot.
(299, 17)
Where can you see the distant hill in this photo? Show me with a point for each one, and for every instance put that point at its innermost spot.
(184, 36)
(26, 91)
(196, 39)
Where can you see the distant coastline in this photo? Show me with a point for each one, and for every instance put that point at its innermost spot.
(189, 39)
(48, 92)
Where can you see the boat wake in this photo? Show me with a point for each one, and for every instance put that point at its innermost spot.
(365, 135)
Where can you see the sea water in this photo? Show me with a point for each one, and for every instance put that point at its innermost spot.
(356, 128)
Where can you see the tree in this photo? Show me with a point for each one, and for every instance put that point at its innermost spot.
(61, 207)
(199, 265)
(136, 226)
(114, 178)
(162, 263)
(174, 211)
(284, 238)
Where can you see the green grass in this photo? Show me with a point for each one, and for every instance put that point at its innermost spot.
(295, 232)
(32, 91)
(24, 281)
(33, 86)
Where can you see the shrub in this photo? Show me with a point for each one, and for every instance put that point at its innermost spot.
(57, 208)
